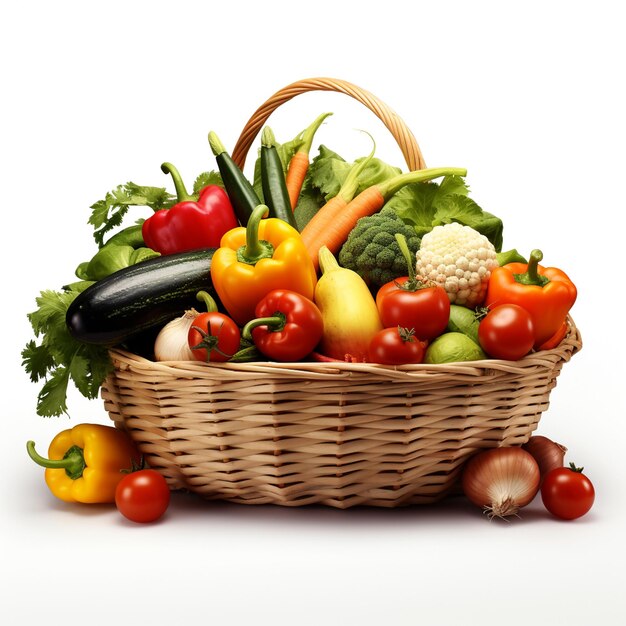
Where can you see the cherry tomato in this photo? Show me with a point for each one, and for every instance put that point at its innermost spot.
(424, 308)
(507, 332)
(567, 493)
(214, 337)
(142, 496)
(396, 346)
(287, 326)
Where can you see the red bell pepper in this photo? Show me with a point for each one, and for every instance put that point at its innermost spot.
(189, 224)
(288, 326)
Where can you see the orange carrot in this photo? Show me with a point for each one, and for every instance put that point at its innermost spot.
(299, 163)
(332, 227)
(313, 234)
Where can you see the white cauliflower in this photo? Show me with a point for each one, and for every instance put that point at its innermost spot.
(458, 258)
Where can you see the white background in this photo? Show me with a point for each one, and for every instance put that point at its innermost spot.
(528, 96)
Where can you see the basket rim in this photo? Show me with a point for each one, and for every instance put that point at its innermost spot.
(571, 344)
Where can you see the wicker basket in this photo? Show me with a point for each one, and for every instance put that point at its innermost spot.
(332, 433)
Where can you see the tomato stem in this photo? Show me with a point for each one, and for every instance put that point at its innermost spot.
(209, 342)
(413, 283)
(406, 334)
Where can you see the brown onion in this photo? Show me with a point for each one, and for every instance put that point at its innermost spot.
(548, 454)
(501, 480)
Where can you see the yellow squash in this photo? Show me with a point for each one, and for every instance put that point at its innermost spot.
(348, 309)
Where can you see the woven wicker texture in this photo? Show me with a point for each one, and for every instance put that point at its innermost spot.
(338, 434)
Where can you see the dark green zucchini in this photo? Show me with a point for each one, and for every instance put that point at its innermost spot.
(273, 182)
(241, 193)
(139, 297)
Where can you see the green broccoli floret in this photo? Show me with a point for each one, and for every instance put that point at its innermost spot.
(372, 251)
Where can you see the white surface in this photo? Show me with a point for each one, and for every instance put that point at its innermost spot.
(527, 97)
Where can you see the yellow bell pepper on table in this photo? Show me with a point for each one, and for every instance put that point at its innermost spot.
(251, 261)
(87, 462)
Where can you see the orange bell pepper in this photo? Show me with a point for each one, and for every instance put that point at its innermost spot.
(547, 293)
(251, 261)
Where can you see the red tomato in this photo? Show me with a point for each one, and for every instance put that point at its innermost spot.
(396, 346)
(214, 337)
(142, 496)
(426, 309)
(287, 326)
(567, 493)
(507, 332)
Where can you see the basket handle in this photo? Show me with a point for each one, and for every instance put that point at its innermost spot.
(403, 136)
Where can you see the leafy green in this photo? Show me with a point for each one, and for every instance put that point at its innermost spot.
(308, 205)
(58, 358)
(108, 213)
(207, 178)
(426, 205)
(328, 171)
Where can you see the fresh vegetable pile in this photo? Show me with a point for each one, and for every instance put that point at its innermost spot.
(314, 259)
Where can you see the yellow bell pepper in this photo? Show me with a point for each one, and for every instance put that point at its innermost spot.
(87, 462)
(251, 261)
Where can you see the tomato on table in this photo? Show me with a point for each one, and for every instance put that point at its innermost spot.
(142, 496)
(567, 493)
(507, 332)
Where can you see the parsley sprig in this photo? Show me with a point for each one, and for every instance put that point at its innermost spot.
(57, 357)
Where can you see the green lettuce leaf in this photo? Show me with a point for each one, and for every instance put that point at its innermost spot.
(426, 205)
(329, 170)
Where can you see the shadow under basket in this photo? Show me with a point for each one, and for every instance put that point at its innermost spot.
(338, 434)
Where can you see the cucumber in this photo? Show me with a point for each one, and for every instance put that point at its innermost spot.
(139, 297)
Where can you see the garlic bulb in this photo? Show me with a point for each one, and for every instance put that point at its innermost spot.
(172, 342)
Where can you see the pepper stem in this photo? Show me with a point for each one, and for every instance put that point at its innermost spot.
(275, 323)
(73, 462)
(255, 249)
(532, 276)
(181, 191)
(209, 302)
